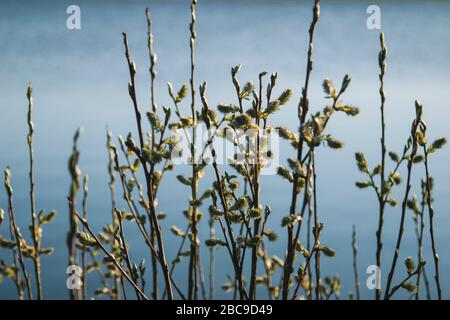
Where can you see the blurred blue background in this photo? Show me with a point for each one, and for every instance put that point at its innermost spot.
(80, 79)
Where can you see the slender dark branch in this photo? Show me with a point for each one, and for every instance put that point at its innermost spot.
(85, 223)
(382, 202)
(112, 190)
(15, 264)
(34, 226)
(102, 277)
(148, 177)
(316, 227)
(18, 237)
(212, 234)
(192, 274)
(125, 251)
(233, 247)
(139, 223)
(84, 260)
(301, 274)
(74, 187)
(303, 108)
(431, 218)
(414, 143)
(355, 263)
(419, 224)
(394, 289)
(256, 201)
(152, 57)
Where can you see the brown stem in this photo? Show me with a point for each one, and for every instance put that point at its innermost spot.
(125, 251)
(111, 185)
(212, 234)
(74, 186)
(413, 154)
(233, 247)
(110, 256)
(101, 275)
(302, 112)
(316, 226)
(83, 253)
(302, 274)
(400, 285)
(382, 202)
(15, 265)
(257, 222)
(431, 215)
(234, 250)
(17, 235)
(36, 240)
(192, 275)
(152, 57)
(355, 263)
(148, 177)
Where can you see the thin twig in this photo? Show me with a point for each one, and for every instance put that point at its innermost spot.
(431, 218)
(192, 274)
(256, 201)
(74, 186)
(355, 263)
(152, 57)
(34, 226)
(382, 202)
(394, 289)
(124, 248)
(303, 108)
(414, 143)
(111, 185)
(231, 245)
(17, 235)
(316, 227)
(110, 256)
(132, 91)
(139, 223)
(83, 253)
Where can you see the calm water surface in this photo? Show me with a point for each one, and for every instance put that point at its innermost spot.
(80, 79)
